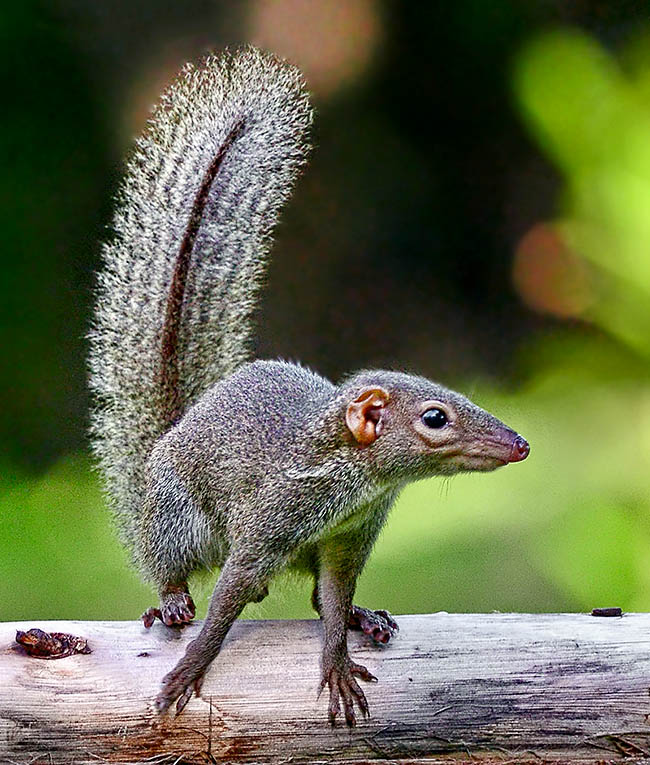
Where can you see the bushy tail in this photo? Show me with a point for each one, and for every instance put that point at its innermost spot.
(192, 230)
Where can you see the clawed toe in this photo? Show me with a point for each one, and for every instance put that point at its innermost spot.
(362, 672)
(343, 686)
(379, 625)
(179, 685)
(179, 613)
(378, 634)
(150, 616)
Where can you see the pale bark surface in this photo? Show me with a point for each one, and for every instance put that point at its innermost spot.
(498, 687)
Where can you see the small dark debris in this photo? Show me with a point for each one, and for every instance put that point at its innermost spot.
(144, 653)
(51, 645)
(607, 612)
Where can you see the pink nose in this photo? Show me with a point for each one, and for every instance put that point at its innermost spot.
(520, 450)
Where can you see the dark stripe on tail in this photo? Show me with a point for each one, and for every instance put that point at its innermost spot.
(169, 378)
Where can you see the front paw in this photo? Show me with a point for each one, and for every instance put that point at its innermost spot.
(179, 685)
(379, 625)
(342, 685)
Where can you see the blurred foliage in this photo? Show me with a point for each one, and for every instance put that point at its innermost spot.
(569, 529)
(593, 119)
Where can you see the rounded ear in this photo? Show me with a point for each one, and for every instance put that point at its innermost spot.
(363, 416)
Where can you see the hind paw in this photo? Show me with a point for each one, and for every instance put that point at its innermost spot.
(379, 625)
(176, 608)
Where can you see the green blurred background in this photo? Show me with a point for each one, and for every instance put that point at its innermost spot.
(477, 209)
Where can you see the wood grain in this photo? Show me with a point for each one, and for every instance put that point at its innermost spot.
(496, 687)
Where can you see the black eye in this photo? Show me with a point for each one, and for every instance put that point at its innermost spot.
(434, 418)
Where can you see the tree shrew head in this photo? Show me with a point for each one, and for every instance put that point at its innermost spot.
(411, 427)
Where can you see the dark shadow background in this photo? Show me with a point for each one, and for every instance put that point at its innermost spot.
(396, 249)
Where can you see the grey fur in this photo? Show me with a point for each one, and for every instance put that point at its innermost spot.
(188, 127)
(251, 467)
(268, 475)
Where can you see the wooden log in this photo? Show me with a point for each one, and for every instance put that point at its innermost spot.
(496, 687)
